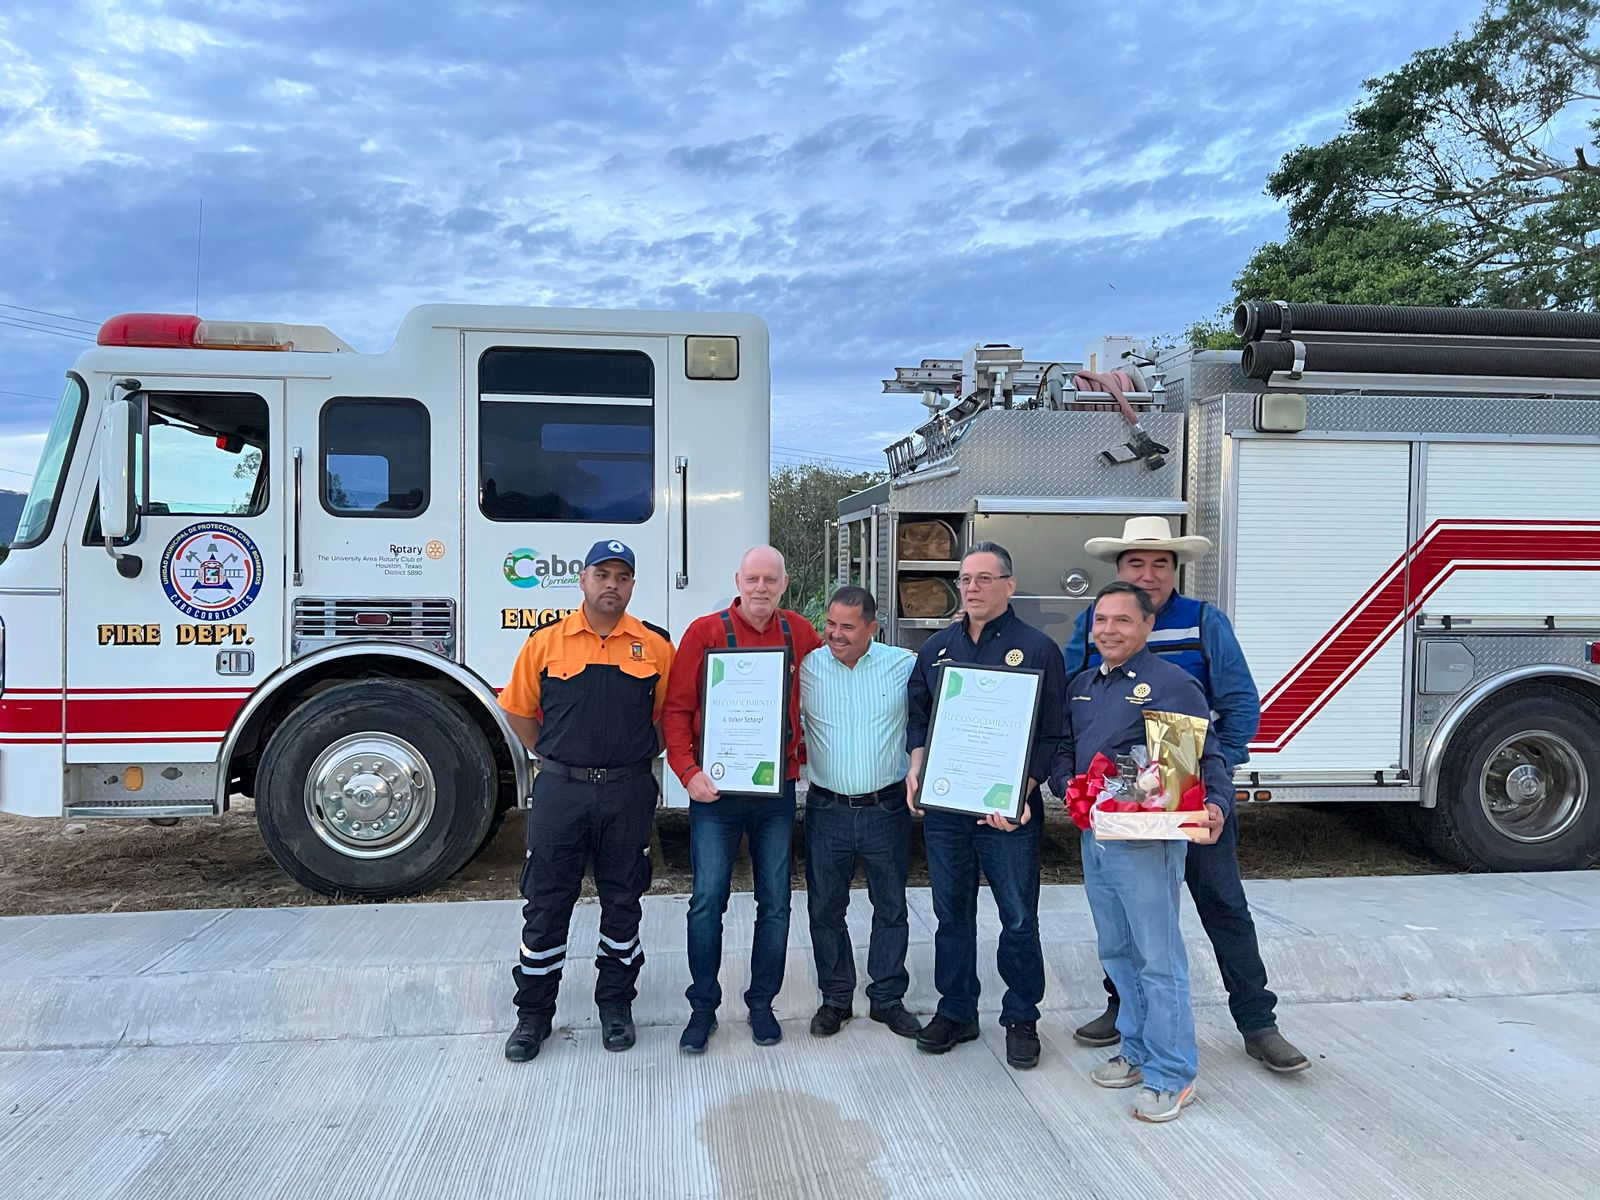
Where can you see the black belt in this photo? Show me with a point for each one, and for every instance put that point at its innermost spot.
(596, 774)
(884, 795)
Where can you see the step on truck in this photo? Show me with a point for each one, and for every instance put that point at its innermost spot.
(1405, 509)
(254, 561)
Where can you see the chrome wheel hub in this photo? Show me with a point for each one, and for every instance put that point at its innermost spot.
(1533, 787)
(369, 795)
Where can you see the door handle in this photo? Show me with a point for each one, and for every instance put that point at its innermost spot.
(299, 464)
(680, 466)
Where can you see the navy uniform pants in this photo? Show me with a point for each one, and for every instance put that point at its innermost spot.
(1212, 873)
(571, 826)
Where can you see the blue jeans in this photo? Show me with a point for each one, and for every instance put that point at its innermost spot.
(1133, 890)
(836, 835)
(957, 847)
(715, 831)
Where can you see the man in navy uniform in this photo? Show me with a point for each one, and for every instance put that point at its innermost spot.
(989, 633)
(1196, 636)
(1133, 886)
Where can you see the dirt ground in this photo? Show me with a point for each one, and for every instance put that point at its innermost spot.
(54, 866)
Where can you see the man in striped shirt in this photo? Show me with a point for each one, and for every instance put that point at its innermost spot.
(853, 705)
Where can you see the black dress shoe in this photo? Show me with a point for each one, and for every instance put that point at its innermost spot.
(616, 1028)
(899, 1020)
(1022, 1045)
(1102, 1031)
(829, 1019)
(942, 1034)
(527, 1037)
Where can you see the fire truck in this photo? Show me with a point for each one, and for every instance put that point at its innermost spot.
(254, 561)
(1405, 511)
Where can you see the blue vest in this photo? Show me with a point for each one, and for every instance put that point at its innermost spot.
(1176, 638)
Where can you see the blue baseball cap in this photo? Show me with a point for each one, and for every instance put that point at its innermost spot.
(606, 551)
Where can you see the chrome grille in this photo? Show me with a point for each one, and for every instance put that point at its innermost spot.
(430, 624)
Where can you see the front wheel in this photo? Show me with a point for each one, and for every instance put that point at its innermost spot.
(375, 788)
(1519, 787)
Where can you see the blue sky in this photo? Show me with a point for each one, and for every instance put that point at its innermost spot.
(881, 181)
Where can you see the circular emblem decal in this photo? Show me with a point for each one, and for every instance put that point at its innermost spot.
(1013, 658)
(941, 786)
(1141, 691)
(434, 549)
(718, 770)
(211, 571)
(521, 569)
(614, 547)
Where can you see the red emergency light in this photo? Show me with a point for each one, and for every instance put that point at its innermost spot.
(184, 331)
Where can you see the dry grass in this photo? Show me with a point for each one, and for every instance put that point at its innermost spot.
(53, 866)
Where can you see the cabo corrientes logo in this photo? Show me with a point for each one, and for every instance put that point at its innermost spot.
(525, 568)
(211, 571)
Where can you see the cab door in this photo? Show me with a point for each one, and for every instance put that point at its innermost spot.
(160, 658)
(565, 445)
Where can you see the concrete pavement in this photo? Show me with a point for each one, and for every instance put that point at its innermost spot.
(1453, 1024)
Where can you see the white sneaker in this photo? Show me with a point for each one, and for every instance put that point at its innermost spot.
(1156, 1107)
(1117, 1073)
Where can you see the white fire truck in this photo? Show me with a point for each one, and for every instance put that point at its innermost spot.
(1411, 558)
(255, 561)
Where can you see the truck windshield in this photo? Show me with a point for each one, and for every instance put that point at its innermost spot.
(38, 512)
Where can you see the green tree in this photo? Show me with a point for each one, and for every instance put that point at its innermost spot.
(1457, 179)
(802, 500)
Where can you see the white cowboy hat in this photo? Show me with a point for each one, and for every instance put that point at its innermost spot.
(1148, 533)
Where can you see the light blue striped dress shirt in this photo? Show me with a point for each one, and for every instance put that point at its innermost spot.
(855, 718)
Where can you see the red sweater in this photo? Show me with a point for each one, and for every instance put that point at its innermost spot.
(681, 715)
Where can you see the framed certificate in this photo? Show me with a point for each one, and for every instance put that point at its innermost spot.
(745, 715)
(980, 740)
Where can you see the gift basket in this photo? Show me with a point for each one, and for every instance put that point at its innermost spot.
(1151, 792)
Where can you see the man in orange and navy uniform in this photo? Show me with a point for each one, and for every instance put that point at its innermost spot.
(585, 696)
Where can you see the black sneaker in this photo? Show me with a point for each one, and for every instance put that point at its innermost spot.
(829, 1019)
(527, 1037)
(898, 1018)
(616, 1028)
(764, 1027)
(702, 1024)
(941, 1034)
(1102, 1031)
(1022, 1045)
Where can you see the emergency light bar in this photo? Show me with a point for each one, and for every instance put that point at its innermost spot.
(184, 331)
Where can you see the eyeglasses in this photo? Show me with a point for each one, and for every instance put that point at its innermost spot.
(982, 581)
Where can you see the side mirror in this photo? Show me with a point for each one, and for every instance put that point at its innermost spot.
(116, 479)
(116, 471)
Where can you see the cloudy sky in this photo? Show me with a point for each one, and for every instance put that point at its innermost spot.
(881, 181)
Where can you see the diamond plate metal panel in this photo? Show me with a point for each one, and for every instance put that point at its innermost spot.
(1487, 416)
(1496, 654)
(1206, 425)
(1038, 452)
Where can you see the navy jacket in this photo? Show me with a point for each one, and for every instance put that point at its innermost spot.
(1105, 715)
(999, 638)
(1199, 638)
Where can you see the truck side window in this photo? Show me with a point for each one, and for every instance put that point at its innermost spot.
(566, 435)
(374, 457)
(204, 455)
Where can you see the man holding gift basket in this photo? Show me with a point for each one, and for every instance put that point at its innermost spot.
(1142, 777)
(1197, 637)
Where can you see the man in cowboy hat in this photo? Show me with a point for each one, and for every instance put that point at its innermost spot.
(1196, 636)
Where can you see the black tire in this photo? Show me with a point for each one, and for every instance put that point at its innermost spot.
(453, 749)
(1557, 733)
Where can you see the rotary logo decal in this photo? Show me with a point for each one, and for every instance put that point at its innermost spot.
(1013, 658)
(1141, 691)
(211, 571)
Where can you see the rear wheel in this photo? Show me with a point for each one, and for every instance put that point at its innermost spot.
(1519, 786)
(375, 788)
